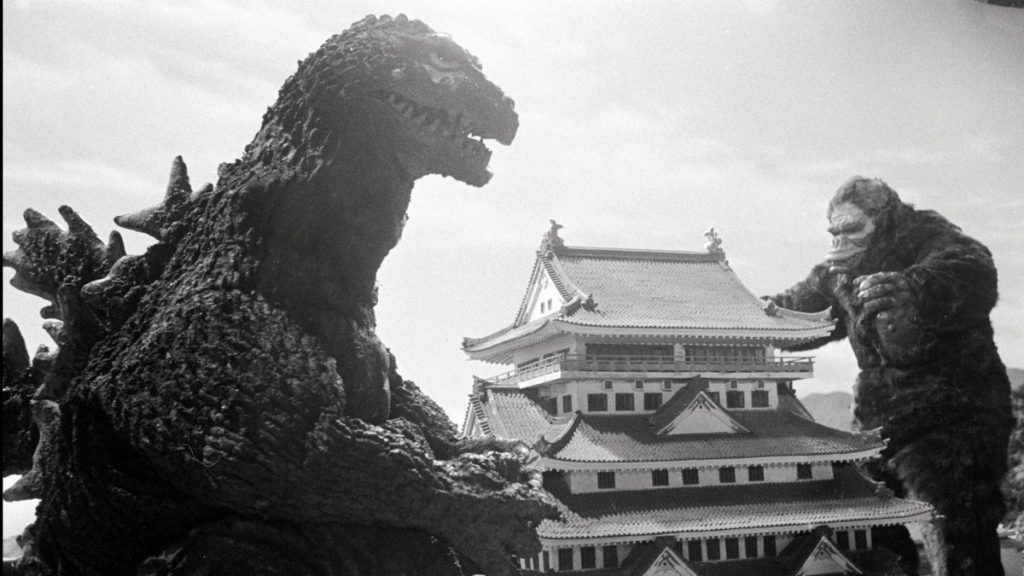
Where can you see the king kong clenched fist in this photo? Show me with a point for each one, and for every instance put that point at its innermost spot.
(913, 295)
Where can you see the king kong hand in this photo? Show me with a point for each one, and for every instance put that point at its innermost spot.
(913, 295)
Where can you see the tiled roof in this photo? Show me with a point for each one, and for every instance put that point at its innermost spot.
(846, 498)
(511, 414)
(643, 288)
(655, 290)
(772, 433)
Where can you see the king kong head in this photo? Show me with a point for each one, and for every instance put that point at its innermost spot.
(864, 216)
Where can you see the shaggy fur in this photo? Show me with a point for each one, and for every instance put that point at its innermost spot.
(931, 376)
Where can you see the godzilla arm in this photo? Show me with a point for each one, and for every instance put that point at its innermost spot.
(254, 422)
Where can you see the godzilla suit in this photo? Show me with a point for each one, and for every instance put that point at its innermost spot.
(913, 294)
(221, 404)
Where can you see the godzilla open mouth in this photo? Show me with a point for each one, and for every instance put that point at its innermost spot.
(457, 128)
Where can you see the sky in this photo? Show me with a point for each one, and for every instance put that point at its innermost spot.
(642, 124)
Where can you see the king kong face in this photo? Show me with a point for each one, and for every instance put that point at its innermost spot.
(864, 216)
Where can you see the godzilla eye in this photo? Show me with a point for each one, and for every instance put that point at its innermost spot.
(443, 60)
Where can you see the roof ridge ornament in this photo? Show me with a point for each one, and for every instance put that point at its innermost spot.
(714, 245)
(551, 240)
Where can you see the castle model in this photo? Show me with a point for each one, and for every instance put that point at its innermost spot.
(650, 386)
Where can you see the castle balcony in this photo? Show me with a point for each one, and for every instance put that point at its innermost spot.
(578, 366)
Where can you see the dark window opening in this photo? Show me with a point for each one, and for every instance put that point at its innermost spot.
(691, 476)
(611, 556)
(734, 399)
(588, 557)
(843, 540)
(803, 472)
(659, 477)
(769, 546)
(606, 480)
(860, 539)
(625, 402)
(567, 403)
(597, 402)
(714, 549)
(727, 475)
(629, 350)
(755, 473)
(732, 548)
(750, 544)
(693, 551)
(564, 559)
(652, 400)
(759, 399)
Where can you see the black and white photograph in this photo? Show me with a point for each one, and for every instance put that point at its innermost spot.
(454, 287)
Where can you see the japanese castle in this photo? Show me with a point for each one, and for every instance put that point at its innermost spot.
(650, 385)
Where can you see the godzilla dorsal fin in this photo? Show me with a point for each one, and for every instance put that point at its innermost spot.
(15, 352)
(154, 221)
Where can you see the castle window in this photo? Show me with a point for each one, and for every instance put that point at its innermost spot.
(659, 477)
(842, 540)
(597, 402)
(546, 557)
(638, 384)
(625, 402)
(755, 473)
(652, 400)
(715, 397)
(769, 545)
(541, 307)
(567, 403)
(727, 475)
(733, 384)
(611, 556)
(693, 551)
(760, 384)
(759, 399)
(607, 384)
(750, 545)
(714, 549)
(804, 472)
(564, 559)
(666, 385)
(860, 539)
(732, 548)
(606, 480)
(691, 476)
(588, 557)
(734, 399)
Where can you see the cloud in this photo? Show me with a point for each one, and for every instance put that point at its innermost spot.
(78, 175)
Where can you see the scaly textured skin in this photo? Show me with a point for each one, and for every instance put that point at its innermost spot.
(221, 404)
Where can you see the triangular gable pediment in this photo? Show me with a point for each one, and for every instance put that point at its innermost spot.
(702, 416)
(668, 563)
(542, 297)
(827, 560)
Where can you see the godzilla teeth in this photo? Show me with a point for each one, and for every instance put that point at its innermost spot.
(454, 127)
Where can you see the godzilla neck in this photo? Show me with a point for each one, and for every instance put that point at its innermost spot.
(329, 236)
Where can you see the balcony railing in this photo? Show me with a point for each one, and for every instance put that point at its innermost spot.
(670, 364)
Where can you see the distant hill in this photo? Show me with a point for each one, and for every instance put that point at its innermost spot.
(1016, 377)
(833, 409)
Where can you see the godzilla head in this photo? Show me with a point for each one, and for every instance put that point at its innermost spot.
(395, 83)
